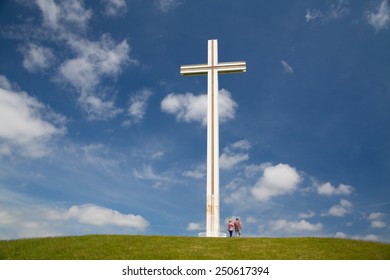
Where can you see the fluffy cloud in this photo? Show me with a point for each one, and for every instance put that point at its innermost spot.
(193, 108)
(37, 58)
(98, 108)
(368, 237)
(93, 62)
(26, 125)
(234, 154)
(375, 219)
(375, 216)
(307, 215)
(340, 234)
(380, 19)
(378, 224)
(329, 190)
(228, 161)
(276, 180)
(197, 173)
(64, 14)
(195, 227)
(101, 216)
(39, 220)
(241, 144)
(187, 107)
(5, 83)
(339, 210)
(65, 23)
(284, 226)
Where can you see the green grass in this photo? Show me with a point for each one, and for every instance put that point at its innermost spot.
(127, 247)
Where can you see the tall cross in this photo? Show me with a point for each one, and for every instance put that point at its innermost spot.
(212, 69)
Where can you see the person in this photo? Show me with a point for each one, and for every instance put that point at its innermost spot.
(230, 227)
(237, 227)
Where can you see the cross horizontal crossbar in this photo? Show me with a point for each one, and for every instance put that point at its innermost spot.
(222, 68)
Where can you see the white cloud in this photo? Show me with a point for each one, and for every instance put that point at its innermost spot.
(340, 210)
(375, 220)
(50, 11)
(37, 58)
(368, 237)
(376, 216)
(345, 203)
(226, 105)
(65, 14)
(5, 83)
(114, 7)
(95, 61)
(64, 22)
(287, 68)
(97, 108)
(138, 105)
(228, 161)
(187, 107)
(329, 190)
(284, 226)
(198, 173)
(193, 108)
(26, 125)
(195, 227)
(103, 58)
(166, 5)
(241, 144)
(380, 19)
(340, 234)
(306, 215)
(34, 220)
(276, 180)
(101, 216)
(233, 155)
(378, 224)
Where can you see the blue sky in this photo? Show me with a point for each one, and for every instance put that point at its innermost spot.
(99, 133)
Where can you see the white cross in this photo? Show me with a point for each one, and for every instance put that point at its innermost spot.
(212, 69)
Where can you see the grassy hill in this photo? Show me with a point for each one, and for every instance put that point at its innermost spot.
(127, 247)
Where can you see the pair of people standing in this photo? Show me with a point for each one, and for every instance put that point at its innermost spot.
(237, 227)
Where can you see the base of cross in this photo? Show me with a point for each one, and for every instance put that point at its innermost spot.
(204, 234)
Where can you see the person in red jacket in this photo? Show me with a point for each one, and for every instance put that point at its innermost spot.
(237, 227)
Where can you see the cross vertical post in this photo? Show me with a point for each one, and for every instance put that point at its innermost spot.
(212, 69)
